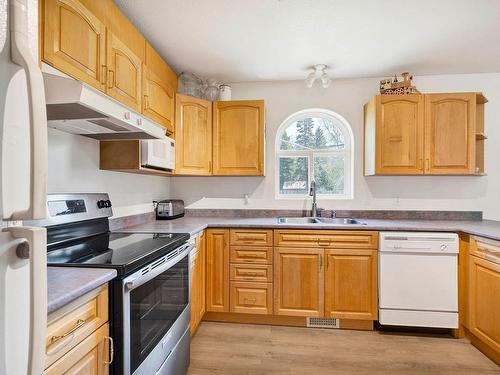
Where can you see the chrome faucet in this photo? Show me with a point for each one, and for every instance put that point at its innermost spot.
(312, 193)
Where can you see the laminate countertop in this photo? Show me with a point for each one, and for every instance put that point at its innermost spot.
(195, 224)
(65, 284)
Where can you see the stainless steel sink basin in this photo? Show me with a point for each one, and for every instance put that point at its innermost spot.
(319, 220)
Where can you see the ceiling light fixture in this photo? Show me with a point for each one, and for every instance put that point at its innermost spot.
(318, 73)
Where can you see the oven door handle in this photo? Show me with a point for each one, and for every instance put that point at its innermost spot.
(138, 278)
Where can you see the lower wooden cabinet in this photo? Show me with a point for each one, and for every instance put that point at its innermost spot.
(197, 282)
(217, 270)
(251, 298)
(351, 284)
(298, 282)
(484, 294)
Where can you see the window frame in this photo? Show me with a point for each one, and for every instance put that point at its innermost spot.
(347, 152)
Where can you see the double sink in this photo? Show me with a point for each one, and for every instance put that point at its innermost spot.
(319, 220)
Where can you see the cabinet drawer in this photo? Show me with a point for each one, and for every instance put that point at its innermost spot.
(261, 237)
(71, 324)
(251, 272)
(251, 254)
(326, 238)
(251, 298)
(486, 249)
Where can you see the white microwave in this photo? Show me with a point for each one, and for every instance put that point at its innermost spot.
(158, 154)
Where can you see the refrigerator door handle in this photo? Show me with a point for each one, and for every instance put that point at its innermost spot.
(21, 55)
(37, 240)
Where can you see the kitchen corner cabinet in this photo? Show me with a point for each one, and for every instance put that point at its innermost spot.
(74, 41)
(238, 138)
(78, 339)
(351, 284)
(298, 282)
(217, 288)
(484, 294)
(424, 134)
(197, 282)
(193, 136)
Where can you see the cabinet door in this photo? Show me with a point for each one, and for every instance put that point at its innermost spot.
(238, 138)
(193, 136)
(399, 134)
(158, 101)
(484, 301)
(74, 41)
(351, 284)
(90, 357)
(298, 282)
(450, 133)
(218, 270)
(124, 73)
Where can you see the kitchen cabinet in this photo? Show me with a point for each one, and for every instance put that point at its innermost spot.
(74, 41)
(197, 274)
(424, 134)
(238, 138)
(299, 282)
(351, 284)
(78, 336)
(159, 84)
(193, 136)
(124, 73)
(484, 294)
(251, 298)
(217, 288)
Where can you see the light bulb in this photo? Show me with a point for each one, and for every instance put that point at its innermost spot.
(325, 80)
(310, 79)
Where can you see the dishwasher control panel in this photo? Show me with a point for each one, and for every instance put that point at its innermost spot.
(428, 242)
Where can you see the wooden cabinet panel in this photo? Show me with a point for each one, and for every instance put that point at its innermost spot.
(326, 238)
(251, 298)
(217, 270)
(251, 254)
(90, 357)
(251, 272)
(71, 324)
(193, 291)
(450, 133)
(484, 301)
(158, 100)
(298, 282)
(193, 136)
(399, 134)
(74, 41)
(351, 284)
(258, 237)
(238, 138)
(202, 257)
(124, 73)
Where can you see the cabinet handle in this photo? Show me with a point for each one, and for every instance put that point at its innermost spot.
(323, 243)
(249, 301)
(146, 102)
(111, 81)
(104, 74)
(70, 334)
(210, 166)
(427, 164)
(111, 350)
(420, 163)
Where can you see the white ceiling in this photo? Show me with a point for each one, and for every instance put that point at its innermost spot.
(257, 40)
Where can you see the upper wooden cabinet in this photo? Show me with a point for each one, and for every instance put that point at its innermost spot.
(432, 134)
(193, 136)
(124, 73)
(74, 41)
(238, 138)
(159, 85)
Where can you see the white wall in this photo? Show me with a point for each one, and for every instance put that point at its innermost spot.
(347, 97)
(74, 167)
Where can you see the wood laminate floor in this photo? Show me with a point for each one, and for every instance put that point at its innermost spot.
(240, 349)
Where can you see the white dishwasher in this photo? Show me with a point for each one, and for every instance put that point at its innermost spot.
(418, 279)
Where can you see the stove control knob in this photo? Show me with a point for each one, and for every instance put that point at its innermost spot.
(107, 204)
(101, 204)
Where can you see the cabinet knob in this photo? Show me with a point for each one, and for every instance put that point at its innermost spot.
(126, 115)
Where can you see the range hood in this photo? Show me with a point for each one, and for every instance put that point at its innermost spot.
(76, 108)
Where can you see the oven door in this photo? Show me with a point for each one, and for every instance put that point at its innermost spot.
(155, 311)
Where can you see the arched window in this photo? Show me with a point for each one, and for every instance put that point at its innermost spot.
(314, 144)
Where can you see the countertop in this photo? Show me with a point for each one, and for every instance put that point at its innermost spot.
(193, 225)
(65, 284)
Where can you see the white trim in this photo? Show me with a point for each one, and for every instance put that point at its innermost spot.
(347, 152)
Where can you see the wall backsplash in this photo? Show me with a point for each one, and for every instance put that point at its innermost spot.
(347, 97)
(74, 167)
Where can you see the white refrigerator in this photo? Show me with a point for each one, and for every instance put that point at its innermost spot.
(23, 175)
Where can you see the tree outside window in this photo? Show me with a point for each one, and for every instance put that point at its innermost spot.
(314, 145)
